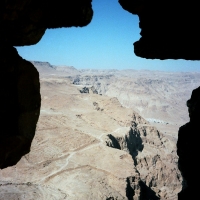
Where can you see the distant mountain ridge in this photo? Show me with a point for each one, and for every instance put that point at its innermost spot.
(42, 64)
(46, 69)
(158, 96)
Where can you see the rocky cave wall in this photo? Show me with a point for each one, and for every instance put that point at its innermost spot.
(168, 30)
(24, 23)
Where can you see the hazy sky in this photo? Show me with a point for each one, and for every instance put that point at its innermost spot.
(106, 43)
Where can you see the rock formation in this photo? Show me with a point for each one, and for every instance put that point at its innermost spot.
(168, 28)
(154, 157)
(24, 23)
(20, 98)
(188, 149)
(84, 90)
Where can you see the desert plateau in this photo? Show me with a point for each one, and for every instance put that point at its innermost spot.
(103, 135)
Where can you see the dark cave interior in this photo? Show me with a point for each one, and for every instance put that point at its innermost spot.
(168, 31)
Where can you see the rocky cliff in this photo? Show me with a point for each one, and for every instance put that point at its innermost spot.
(154, 157)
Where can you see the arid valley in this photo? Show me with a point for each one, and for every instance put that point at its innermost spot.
(103, 135)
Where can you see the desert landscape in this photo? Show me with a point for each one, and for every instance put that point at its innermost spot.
(103, 134)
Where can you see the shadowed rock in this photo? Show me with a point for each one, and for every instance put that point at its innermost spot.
(20, 97)
(24, 23)
(168, 28)
(129, 190)
(130, 142)
(188, 149)
(146, 192)
(84, 90)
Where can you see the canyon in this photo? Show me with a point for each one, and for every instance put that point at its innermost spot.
(163, 36)
(158, 96)
(103, 134)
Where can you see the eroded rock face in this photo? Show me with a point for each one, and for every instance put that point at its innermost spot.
(168, 29)
(20, 97)
(188, 149)
(154, 158)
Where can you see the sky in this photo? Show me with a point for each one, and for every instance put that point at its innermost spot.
(105, 43)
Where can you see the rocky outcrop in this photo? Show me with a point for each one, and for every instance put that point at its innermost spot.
(84, 90)
(24, 23)
(93, 90)
(154, 157)
(188, 149)
(168, 29)
(89, 90)
(20, 98)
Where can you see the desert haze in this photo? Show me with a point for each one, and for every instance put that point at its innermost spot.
(103, 134)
